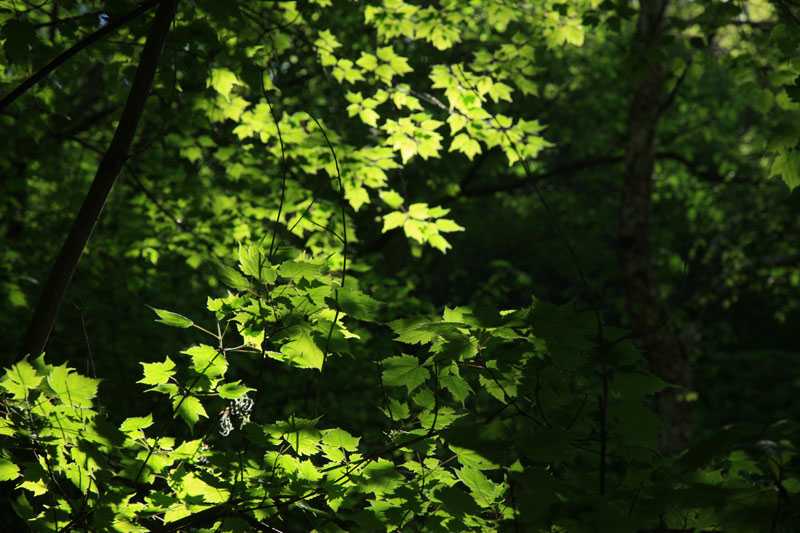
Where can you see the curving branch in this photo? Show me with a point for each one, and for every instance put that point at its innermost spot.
(62, 58)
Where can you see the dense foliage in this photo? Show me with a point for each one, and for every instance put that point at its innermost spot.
(348, 219)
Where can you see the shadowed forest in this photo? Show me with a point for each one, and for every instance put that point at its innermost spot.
(400, 265)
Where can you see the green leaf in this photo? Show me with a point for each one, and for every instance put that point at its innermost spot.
(233, 391)
(71, 388)
(404, 370)
(340, 439)
(414, 230)
(438, 418)
(472, 459)
(499, 387)
(393, 220)
(396, 410)
(19, 37)
(300, 270)
(190, 409)
(187, 450)
(157, 373)
(19, 379)
(369, 117)
(300, 433)
(413, 331)
(135, 424)
(483, 490)
(634, 386)
(787, 164)
(172, 319)
(392, 199)
(457, 386)
(445, 225)
(439, 242)
(207, 360)
(254, 262)
(223, 80)
(229, 276)
(356, 304)
(8, 470)
(381, 477)
(303, 352)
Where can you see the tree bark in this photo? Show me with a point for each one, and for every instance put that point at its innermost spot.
(643, 299)
(110, 166)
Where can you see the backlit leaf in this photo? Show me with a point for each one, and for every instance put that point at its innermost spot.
(404, 370)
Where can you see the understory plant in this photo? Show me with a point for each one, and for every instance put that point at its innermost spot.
(516, 420)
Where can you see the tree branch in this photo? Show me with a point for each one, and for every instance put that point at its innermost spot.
(61, 274)
(68, 53)
(527, 182)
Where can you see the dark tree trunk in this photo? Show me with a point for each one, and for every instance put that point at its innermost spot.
(110, 166)
(644, 303)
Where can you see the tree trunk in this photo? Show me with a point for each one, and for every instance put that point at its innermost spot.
(110, 166)
(667, 356)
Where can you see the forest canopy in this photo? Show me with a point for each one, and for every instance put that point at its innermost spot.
(464, 265)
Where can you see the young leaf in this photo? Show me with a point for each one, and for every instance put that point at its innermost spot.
(207, 360)
(190, 409)
(223, 80)
(8, 470)
(172, 319)
(232, 391)
(392, 198)
(340, 439)
(393, 220)
(19, 379)
(71, 388)
(133, 426)
(157, 373)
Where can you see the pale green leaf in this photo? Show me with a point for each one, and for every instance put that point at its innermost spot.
(303, 352)
(472, 459)
(190, 409)
(233, 391)
(393, 220)
(300, 269)
(369, 117)
(207, 360)
(8, 470)
(172, 319)
(71, 388)
(439, 242)
(254, 262)
(135, 424)
(446, 225)
(223, 80)
(19, 379)
(340, 439)
(392, 199)
(157, 373)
